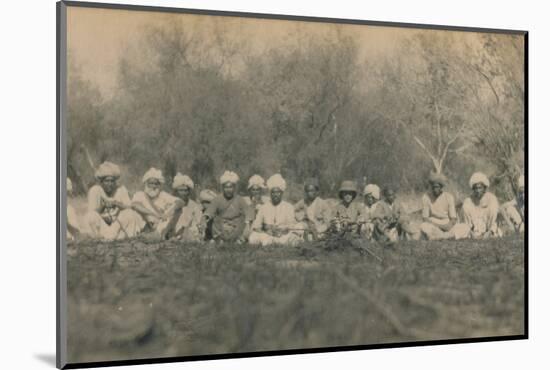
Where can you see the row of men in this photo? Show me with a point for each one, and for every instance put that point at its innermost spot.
(265, 220)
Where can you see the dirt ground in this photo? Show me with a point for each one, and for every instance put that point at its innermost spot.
(141, 299)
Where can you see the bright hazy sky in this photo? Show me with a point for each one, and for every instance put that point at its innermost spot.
(97, 38)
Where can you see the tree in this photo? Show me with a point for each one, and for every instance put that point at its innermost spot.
(84, 129)
(428, 93)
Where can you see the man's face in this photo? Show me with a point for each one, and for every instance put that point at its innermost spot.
(310, 192)
(228, 190)
(390, 196)
(347, 196)
(109, 184)
(479, 189)
(183, 192)
(152, 188)
(437, 189)
(205, 204)
(276, 196)
(255, 192)
(370, 199)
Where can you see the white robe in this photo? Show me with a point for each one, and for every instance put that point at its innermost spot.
(280, 216)
(482, 217)
(158, 205)
(125, 222)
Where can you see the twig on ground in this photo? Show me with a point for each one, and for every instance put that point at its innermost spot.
(382, 310)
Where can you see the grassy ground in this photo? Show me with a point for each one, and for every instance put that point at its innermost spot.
(138, 299)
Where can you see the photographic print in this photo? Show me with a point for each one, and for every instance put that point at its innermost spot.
(236, 184)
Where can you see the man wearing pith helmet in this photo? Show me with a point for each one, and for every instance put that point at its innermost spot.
(109, 213)
(439, 212)
(230, 215)
(481, 208)
(188, 225)
(159, 210)
(347, 212)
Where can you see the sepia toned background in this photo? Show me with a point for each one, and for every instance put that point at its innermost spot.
(200, 94)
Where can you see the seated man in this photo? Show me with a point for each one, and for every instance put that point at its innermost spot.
(73, 228)
(393, 220)
(276, 220)
(159, 210)
(513, 211)
(481, 209)
(206, 197)
(347, 213)
(110, 215)
(187, 226)
(367, 220)
(230, 215)
(313, 212)
(439, 212)
(255, 198)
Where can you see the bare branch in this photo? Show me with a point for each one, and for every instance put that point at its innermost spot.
(427, 151)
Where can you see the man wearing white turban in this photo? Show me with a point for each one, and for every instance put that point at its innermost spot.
(73, 227)
(158, 209)
(481, 208)
(275, 222)
(439, 212)
(371, 194)
(188, 225)
(255, 199)
(514, 210)
(230, 215)
(313, 212)
(110, 215)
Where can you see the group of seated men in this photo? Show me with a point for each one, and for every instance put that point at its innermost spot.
(261, 219)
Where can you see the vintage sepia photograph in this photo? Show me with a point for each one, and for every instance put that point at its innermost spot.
(242, 184)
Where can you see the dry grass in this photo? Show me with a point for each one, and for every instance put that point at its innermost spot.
(137, 299)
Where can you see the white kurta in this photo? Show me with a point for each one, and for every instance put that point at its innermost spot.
(187, 227)
(318, 212)
(280, 216)
(124, 222)
(159, 205)
(440, 211)
(482, 217)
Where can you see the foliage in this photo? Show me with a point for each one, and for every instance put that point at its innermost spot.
(202, 104)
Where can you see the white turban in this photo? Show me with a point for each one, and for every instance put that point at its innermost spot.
(256, 180)
(521, 182)
(276, 181)
(373, 190)
(69, 185)
(182, 180)
(207, 195)
(229, 176)
(107, 169)
(479, 177)
(153, 173)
